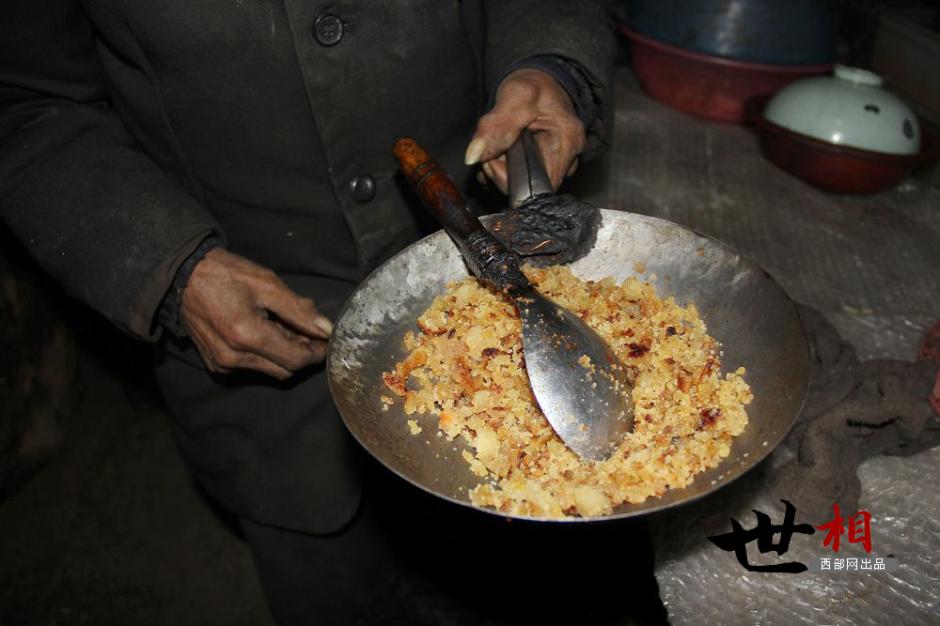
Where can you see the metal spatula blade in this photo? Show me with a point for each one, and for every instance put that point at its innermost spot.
(579, 384)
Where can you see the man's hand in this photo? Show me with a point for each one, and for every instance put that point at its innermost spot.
(241, 316)
(528, 98)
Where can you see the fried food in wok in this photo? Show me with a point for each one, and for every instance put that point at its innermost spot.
(466, 368)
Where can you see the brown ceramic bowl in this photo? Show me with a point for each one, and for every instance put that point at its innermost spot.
(832, 167)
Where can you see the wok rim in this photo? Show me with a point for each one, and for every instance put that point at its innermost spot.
(754, 458)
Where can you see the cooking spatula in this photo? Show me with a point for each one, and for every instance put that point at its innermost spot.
(587, 401)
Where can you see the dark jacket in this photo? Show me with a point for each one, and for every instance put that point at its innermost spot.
(130, 130)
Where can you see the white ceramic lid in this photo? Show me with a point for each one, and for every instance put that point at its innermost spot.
(848, 108)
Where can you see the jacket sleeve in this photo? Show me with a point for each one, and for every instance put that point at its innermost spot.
(90, 206)
(581, 33)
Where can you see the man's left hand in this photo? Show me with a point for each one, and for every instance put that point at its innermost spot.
(528, 98)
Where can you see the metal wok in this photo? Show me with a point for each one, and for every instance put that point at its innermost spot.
(743, 307)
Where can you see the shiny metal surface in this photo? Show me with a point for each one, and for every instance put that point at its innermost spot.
(526, 170)
(776, 32)
(744, 308)
(588, 405)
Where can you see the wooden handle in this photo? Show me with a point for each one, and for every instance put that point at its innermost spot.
(487, 258)
(436, 190)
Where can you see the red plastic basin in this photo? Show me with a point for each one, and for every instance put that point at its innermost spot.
(707, 86)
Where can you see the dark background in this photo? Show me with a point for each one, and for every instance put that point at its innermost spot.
(99, 521)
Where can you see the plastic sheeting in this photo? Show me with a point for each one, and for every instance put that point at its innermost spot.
(869, 264)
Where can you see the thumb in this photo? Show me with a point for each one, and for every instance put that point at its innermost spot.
(297, 312)
(497, 130)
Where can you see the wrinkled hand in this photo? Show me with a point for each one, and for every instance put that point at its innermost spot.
(528, 98)
(241, 316)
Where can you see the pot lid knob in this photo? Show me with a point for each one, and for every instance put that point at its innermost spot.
(858, 76)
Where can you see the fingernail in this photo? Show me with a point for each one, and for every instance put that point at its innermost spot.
(474, 151)
(325, 325)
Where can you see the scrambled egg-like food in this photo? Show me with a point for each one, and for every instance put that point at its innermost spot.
(466, 367)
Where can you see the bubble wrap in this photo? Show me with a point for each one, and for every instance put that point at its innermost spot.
(870, 265)
(700, 584)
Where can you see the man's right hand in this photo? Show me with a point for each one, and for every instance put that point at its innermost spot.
(242, 316)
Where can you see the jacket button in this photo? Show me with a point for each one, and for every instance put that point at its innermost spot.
(362, 188)
(328, 29)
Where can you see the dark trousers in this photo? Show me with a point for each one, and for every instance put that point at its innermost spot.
(408, 558)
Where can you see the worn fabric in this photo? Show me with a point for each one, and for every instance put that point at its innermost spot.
(143, 127)
(854, 410)
(132, 131)
(168, 315)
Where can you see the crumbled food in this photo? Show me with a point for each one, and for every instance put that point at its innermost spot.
(414, 427)
(465, 366)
